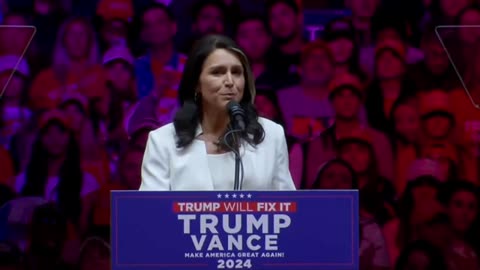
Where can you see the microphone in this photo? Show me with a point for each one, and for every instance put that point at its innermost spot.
(237, 115)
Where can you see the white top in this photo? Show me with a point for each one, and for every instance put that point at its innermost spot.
(222, 169)
(165, 167)
(89, 185)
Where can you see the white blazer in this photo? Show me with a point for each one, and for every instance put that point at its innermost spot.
(165, 167)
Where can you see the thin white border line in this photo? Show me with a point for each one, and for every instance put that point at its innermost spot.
(458, 26)
(460, 77)
(23, 53)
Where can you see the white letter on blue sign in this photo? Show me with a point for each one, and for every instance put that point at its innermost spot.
(215, 243)
(250, 240)
(271, 242)
(235, 242)
(186, 222)
(280, 222)
(226, 224)
(208, 222)
(198, 244)
(261, 222)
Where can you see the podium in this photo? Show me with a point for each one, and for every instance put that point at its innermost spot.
(290, 230)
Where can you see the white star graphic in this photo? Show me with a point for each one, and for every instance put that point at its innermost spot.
(226, 196)
(219, 196)
(241, 195)
(234, 196)
(249, 196)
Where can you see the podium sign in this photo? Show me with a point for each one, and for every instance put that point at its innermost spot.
(291, 230)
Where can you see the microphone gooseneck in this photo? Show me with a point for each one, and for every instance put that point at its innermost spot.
(237, 117)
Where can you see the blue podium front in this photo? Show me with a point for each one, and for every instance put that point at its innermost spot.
(291, 230)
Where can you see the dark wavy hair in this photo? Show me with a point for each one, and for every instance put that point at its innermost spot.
(71, 175)
(189, 115)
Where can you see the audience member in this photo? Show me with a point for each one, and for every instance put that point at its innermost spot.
(316, 112)
(75, 67)
(346, 96)
(285, 21)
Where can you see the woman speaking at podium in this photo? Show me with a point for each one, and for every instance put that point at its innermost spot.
(217, 141)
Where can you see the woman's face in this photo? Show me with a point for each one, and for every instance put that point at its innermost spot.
(342, 49)
(120, 75)
(389, 66)
(55, 140)
(336, 176)
(77, 41)
(470, 34)
(357, 155)
(462, 209)
(265, 107)
(407, 122)
(222, 79)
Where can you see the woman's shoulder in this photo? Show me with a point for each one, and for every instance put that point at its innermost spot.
(268, 124)
(164, 131)
(274, 134)
(164, 135)
(271, 128)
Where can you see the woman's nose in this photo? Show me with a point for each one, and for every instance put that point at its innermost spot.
(228, 79)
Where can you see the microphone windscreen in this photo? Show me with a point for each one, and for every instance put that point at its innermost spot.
(231, 105)
(234, 108)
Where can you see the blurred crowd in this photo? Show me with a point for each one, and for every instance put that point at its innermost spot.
(380, 100)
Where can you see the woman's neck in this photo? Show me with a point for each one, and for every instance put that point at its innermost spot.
(214, 122)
